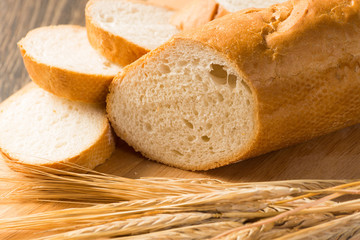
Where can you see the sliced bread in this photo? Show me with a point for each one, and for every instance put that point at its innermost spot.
(39, 128)
(60, 60)
(245, 84)
(236, 5)
(124, 30)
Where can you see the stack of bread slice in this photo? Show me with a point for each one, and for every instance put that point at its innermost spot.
(242, 85)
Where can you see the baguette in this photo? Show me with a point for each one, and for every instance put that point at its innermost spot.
(39, 128)
(243, 85)
(60, 60)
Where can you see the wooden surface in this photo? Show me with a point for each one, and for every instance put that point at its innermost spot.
(335, 156)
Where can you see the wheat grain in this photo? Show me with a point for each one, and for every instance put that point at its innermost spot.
(135, 226)
(46, 184)
(342, 228)
(117, 211)
(201, 231)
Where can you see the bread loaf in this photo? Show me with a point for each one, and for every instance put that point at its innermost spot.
(39, 128)
(243, 85)
(60, 60)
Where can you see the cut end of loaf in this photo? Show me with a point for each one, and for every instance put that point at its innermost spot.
(185, 106)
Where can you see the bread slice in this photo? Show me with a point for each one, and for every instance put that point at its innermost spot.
(236, 5)
(245, 84)
(60, 60)
(124, 30)
(39, 128)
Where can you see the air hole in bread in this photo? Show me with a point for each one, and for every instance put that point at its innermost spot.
(164, 69)
(182, 63)
(177, 152)
(107, 64)
(148, 127)
(191, 138)
(232, 81)
(220, 97)
(208, 126)
(109, 19)
(218, 70)
(246, 87)
(188, 123)
(205, 138)
(218, 74)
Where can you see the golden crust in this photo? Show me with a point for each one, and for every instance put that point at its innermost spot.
(96, 153)
(195, 14)
(66, 83)
(301, 60)
(113, 47)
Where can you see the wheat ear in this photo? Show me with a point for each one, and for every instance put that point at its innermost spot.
(342, 228)
(135, 226)
(201, 231)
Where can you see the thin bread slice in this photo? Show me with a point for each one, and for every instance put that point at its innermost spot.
(245, 84)
(39, 128)
(60, 60)
(236, 5)
(124, 30)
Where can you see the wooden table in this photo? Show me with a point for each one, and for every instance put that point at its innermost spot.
(334, 156)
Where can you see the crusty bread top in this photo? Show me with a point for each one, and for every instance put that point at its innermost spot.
(145, 25)
(39, 128)
(66, 47)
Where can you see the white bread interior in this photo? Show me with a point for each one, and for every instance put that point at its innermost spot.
(143, 24)
(39, 128)
(193, 112)
(67, 47)
(61, 60)
(237, 5)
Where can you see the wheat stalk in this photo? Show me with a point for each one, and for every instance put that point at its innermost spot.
(215, 201)
(46, 184)
(342, 228)
(269, 210)
(201, 231)
(137, 225)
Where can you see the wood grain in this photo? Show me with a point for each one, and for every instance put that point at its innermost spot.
(334, 156)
